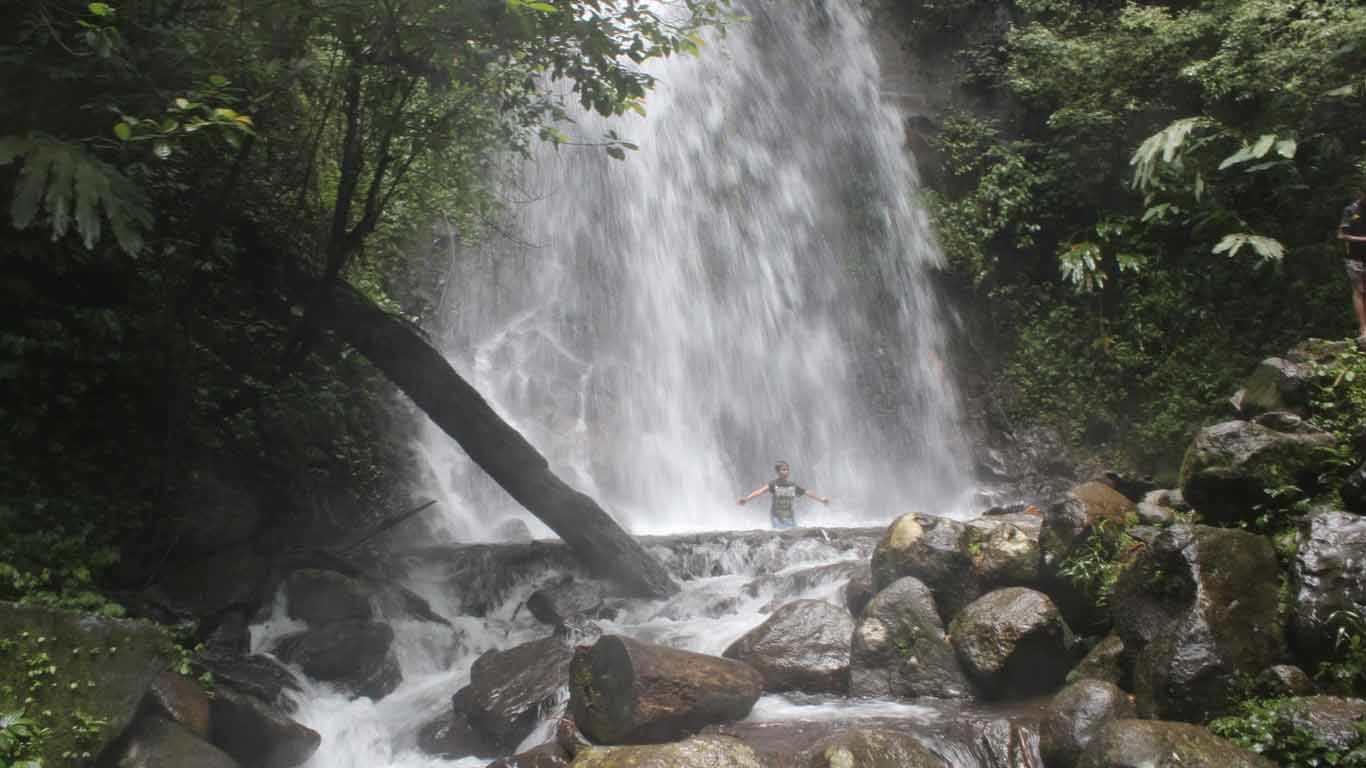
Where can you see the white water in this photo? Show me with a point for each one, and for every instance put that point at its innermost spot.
(749, 286)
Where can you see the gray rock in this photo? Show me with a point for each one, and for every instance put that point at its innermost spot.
(803, 646)
(859, 591)
(258, 735)
(1230, 467)
(320, 597)
(1013, 642)
(1069, 523)
(1275, 385)
(1075, 715)
(155, 742)
(1106, 662)
(1353, 491)
(354, 655)
(1283, 680)
(1004, 550)
(259, 676)
(509, 689)
(512, 530)
(1154, 743)
(1328, 575)
(1199, 607)
(1332, 720)
(709, 751)
(554, 603)
(932, 550)
(452, 737)
(1153, 514)
(550, 755)
(872, 748)
(784, 586)
(899, 647)
(180, 700)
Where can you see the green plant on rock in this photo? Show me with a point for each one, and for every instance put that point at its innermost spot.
(1262, 727)
(21, 740)
(1346, 671)
(1094, 567)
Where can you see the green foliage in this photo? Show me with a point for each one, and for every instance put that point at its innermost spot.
(21, 740)
(1338, 397)
(1263, 726)
(1346, 671)
(1095, 567)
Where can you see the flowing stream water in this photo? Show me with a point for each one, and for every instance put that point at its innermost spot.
(751, 285)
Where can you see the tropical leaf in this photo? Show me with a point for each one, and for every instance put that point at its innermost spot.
(1269, 249)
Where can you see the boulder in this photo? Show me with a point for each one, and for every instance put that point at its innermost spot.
(1283, 680)
(98, 666)
(555, 603)
(452, 737)
(1067, 524)
(1230, 467)
(354, 655)
(180, 700)
(1151, 743)
(258, 675)
(803, 646)
(1275, 385)
(932, 550)
(1004, 549)
(859, 591)
(1328, 575)
(709, 751)
(1353, 491)
(545, 756)
(1075, 715)
(1013, 642)
(155, 742)
(258, 736)
(623, 691)
(872, 748)
(899, 647)
(1334, 721)
(1198, 606)
(509, 689)
(512, 530)
(1107, 662)
(319, 597)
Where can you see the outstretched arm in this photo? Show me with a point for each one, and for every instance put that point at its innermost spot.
(818, 497)
(754, 494)
(1342, 235)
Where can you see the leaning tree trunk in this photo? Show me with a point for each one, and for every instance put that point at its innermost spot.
(418, 369)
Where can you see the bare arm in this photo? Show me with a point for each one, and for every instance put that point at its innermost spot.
(818, 497)
(1351, 238)
(754, 494)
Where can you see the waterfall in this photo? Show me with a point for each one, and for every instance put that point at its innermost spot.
(751, 285)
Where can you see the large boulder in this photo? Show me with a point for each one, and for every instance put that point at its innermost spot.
(1199, 607)
(98, 667)
(698, 751)
(1004, 549)
(452, 737)
(900, 649)
(934, 551)
(352, 654)
(1329, 575)
(1353, 491)
(1333, 721)
(872, 748)
(1154, 743)
(257, 735)
(258, 675)
(1013, 642)
(1106, 661)
(803, 646)
(180, 700)
(1068, 523)
(155, 742)
(1230, 468)
(555, 603)
(1276, 384)
(318, 597)
(859, 590)
(623, 691)
(1075, 715)
(509, 689)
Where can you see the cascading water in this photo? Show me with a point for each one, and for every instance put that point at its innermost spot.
(750, 285)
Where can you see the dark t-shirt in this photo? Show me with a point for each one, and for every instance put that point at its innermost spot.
(784, 493)
(1354, 223)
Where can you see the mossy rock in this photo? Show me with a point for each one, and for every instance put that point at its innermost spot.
(1233, 467)
(80, 675)
(710, 751)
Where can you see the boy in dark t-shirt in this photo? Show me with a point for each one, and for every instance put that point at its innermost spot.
(1352, 231)
(785, 493)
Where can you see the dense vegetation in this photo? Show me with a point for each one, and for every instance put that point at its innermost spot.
(182, 183)
(1142, 197)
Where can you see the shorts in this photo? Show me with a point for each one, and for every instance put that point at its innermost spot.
(1356, 274)
(782, 523)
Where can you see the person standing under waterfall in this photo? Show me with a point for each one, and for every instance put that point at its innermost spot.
(785, 493)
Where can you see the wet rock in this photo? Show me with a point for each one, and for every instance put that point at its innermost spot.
(867, 748)
(510, 689)
(1332, 720)
(1199, 607)
(512, 530)
(1106, 662)
(105, 668)
(354, 655)
(1275, 385)
(1150, 743)
(452, 737)
(859, 591)
(258, 736)
(1230, 467)
(1282, 680)
(180, 700)
(320, 597)
(1004, 549)
(577, 630)
(709, 751)
(545, 756)
(899, 647)
(623, 691)
(1130, 487)
(1353, 491)
(228, 634)
(783, 586)
(1013, 642)
(1075, 715)
(932, 550)
(803, 646)
(258, 676)
(555, 603)
(1068, 523)
(1328, 575)
(155, 742)
(1153, 514)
